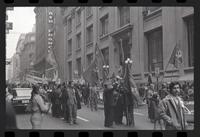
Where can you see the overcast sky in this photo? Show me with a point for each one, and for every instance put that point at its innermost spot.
(23, 19)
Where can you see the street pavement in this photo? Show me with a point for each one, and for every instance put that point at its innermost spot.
(87, 119)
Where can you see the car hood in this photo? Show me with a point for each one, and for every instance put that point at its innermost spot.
(22, 98)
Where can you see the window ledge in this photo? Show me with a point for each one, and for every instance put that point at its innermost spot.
(89, 44)
(78, 49)
(103, 36)
(89, 16)
(69, 54)
(154, 13)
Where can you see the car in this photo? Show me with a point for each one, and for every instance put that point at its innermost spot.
(189, 114)
(21, 97)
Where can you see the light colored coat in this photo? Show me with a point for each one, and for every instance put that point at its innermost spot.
(172, 113)
(38, 107)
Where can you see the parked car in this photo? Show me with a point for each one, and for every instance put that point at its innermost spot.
(21, 97)
(189, 114)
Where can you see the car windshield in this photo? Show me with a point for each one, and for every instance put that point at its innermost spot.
(23, 92)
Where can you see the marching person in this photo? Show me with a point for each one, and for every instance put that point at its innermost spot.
(38, 107)
(150, 92)
(72, 103)
(172, 109)
(108, 105)
(64, 100)
(119, 107)
(93, 97)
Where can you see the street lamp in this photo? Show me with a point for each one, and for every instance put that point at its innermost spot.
(106, 68)
(129, 108)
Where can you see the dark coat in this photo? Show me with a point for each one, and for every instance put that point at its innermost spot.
(78, 98)
(10, 116)
(108, 97)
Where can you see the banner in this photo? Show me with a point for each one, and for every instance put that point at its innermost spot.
(176, 58)
(90, 75)
(95, 70)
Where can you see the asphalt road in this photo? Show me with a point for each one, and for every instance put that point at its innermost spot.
(86, 119)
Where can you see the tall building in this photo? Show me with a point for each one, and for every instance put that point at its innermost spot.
(18, 74)
(27, 54)
(49, 42)
(147, 35)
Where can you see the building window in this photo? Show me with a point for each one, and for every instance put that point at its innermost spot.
(89, 35)
(124, 16)
(104, 25)
(89, 59)
(69, 25)
(105, 53)
(70, 47)
(70, 70)
(78, 18)
(88, 12)
(78, 66)
(155, 50)
(78, 41)
(190, 37)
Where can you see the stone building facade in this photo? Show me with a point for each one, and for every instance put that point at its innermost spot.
(147, 35)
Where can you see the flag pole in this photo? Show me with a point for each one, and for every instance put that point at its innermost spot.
(168, 63)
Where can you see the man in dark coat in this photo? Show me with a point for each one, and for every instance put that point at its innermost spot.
(108, 105)
(119, 107)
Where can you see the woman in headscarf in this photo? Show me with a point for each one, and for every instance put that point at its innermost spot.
(38, 107)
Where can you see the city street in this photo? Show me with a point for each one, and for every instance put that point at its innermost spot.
(86, 119)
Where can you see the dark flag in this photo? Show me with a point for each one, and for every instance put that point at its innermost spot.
(95, 70)
(99, 60)
(90, 74)
(176, 58)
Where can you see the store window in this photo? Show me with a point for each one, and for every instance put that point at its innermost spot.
(155, 50)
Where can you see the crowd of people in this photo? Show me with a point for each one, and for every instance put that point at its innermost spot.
(165, 106)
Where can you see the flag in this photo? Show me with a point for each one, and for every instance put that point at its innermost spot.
(176, 58)
(99, 60)
(95, 71)
(90, 74)
(130, 82)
